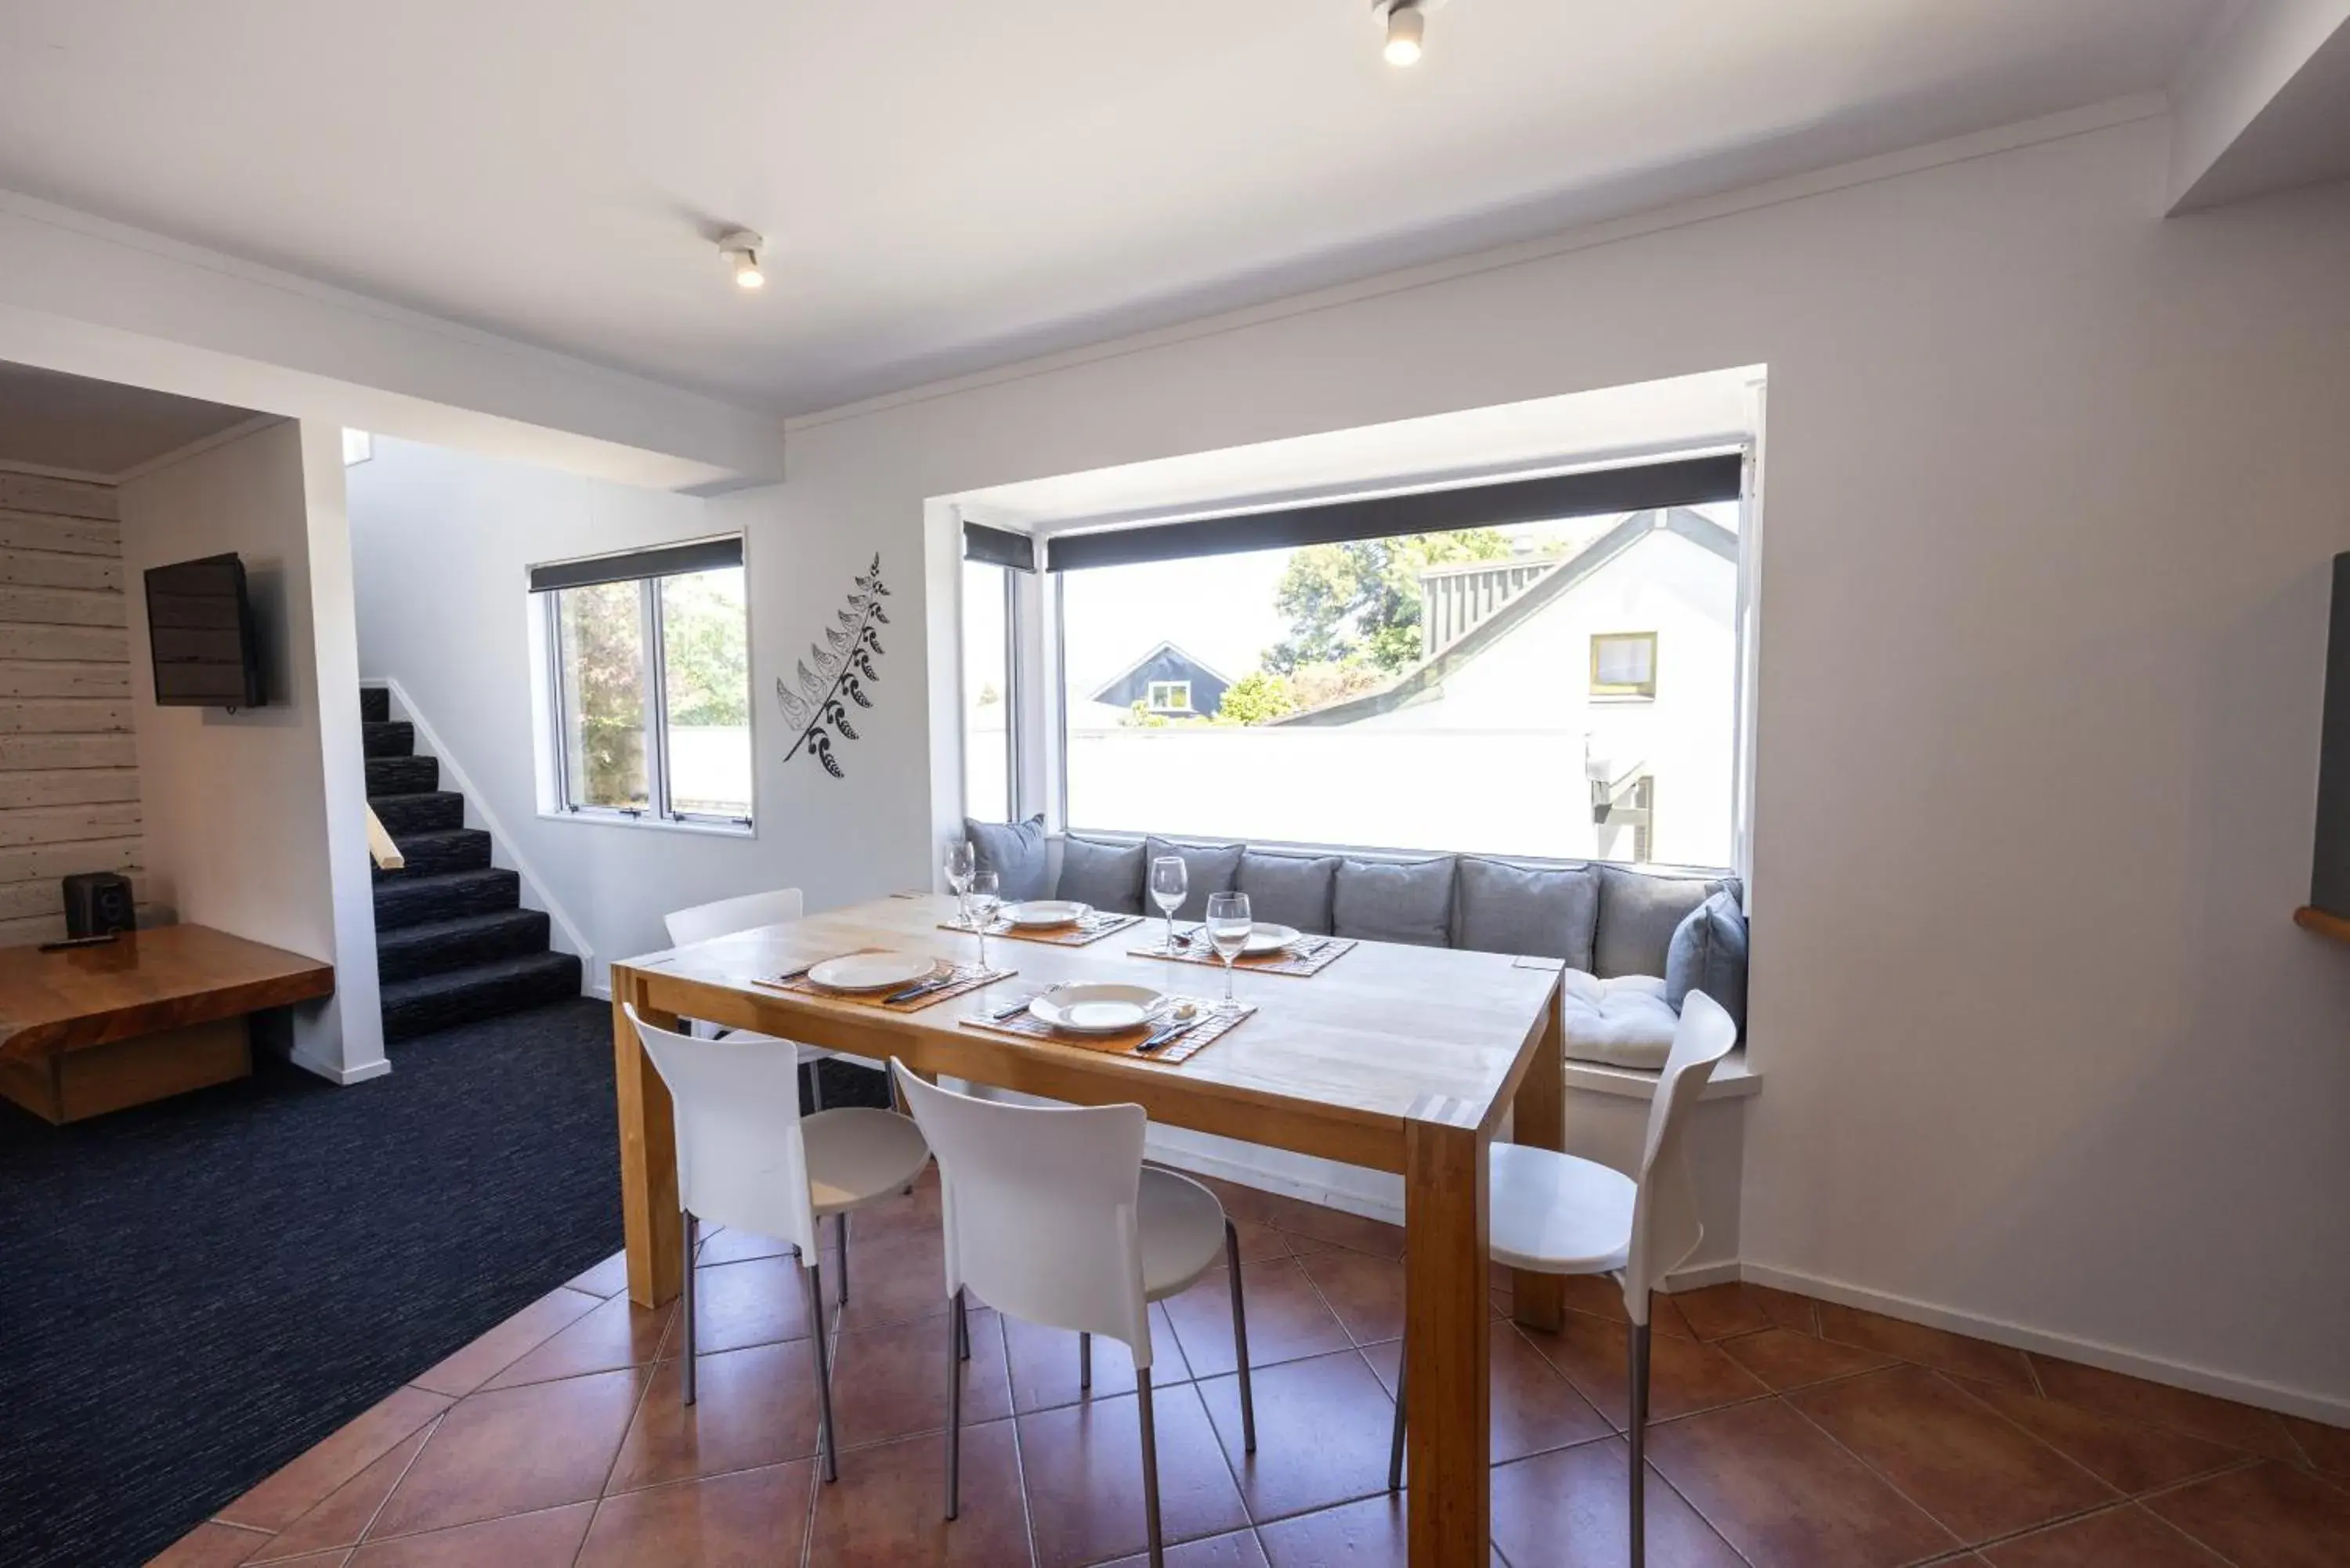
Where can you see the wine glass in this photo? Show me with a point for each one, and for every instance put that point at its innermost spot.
(1228, 926)
(1170, 880)
(961, 861)
(986, 893)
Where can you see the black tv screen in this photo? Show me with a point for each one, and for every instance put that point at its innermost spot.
(200, 627)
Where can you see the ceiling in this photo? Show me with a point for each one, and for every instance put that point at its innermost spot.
(49, 419)
(949, 185)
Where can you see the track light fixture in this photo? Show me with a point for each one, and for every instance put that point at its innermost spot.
(740, 248)
(1407, 23)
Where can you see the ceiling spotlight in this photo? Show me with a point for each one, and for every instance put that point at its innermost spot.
(1406, 24)
(741, 249)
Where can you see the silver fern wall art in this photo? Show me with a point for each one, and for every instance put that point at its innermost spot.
(836, 672)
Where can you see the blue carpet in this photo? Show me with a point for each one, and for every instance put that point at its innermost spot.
(193, 1292)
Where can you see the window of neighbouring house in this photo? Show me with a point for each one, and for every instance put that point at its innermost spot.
(1624, 664)
(649, 681)
(1453, 689)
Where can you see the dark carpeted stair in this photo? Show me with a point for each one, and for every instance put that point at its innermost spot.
(454, 944)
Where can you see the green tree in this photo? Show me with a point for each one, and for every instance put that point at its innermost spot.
(602, 629)
(1255, 698)
(707, 656)
(1360, 600)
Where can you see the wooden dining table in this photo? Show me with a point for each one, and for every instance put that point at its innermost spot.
(1404, 1059)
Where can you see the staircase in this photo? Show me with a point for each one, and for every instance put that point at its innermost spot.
(452, 942)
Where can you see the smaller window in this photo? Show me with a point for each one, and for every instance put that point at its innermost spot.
(1170, 696)
(1624, 664)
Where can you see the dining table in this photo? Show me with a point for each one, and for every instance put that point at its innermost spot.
(1399, 1058)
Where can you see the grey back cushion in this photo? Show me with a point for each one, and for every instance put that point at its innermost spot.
(1290, 889)
(1709, 954)
(1393, 901)
(1210, 867)
(1014, 851)
(1103, 873)
(1638, 914)
(1545, 911)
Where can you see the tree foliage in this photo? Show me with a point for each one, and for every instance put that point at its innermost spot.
(1256, 697)
(1360, 602)
(602, 628)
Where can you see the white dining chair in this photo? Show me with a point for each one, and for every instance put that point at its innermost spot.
(748, 913)
(748, 1159)
(1554, 1214)
(1051, 1217)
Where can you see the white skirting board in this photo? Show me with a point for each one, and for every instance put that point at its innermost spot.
(345, 1076)
(2089, 1353)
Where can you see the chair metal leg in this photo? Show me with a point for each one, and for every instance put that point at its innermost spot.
(1085, 1363)
(1639, 1528)
(1395, 1443)
(1240, 1339)
(962, 1329)
(825, 1440)
(816, 1086)
(685, 1305)
(1150, 1466)
(956, 1354)
(840, 1232)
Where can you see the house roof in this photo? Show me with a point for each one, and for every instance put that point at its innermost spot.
(1186, 655)
(1424, 677)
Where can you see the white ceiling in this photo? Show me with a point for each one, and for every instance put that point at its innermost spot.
(53, 421)
(950, 185)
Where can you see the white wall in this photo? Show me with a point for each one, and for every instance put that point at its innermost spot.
(254, 819)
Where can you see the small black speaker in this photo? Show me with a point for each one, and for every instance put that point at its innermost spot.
(97, 902)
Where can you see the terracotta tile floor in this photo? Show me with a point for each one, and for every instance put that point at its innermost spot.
(1790, 1434)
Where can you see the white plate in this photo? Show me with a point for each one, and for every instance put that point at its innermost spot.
(1266, 936)
(1046, 912)
(1090, 1008)
(871, 971)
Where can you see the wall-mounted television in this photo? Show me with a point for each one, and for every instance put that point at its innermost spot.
(200, 628)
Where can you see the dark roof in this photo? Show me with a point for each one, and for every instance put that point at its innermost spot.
(1422, 679)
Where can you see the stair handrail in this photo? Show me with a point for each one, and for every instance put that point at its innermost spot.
(380, 847)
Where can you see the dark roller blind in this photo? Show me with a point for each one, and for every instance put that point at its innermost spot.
(1683, 482)
(999, 547)
(667, 561)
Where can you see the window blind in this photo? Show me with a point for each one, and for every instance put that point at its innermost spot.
(999, 547)
(664, 561)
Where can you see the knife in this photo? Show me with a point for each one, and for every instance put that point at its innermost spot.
(997, 1015)
(924, 988)
(1169, 1034)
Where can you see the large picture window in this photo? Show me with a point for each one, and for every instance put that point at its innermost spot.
(987, 749)
(649, 682)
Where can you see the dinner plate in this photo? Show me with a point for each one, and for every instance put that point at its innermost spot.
(1266, 936)
(1096, 1009)
(1047, 912)
(871, 971)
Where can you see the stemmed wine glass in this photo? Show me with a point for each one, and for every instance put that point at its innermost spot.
(985, 894)
(960, 863)
(1170, 880)
(1228, 926)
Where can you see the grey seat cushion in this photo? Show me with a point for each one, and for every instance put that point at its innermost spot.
(1014, 851)
(1395, 901)
(1290, 889)
(1102, 872)
(1547, 911)
(1210, 868)
(1709, 954)
(1639, 912)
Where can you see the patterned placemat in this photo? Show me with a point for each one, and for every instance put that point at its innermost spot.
(1193, 1041)
(1091, 930)
(958, 978)
(1306, 958)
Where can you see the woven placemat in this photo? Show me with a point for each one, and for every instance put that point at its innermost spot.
(1028, 1027)
(1314, 960)
(966, 977)
(1091, 930)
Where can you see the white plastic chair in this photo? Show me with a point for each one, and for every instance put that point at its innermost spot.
(1052, 1218)
(747, 913)
(1554, 1214)
(748, 1159)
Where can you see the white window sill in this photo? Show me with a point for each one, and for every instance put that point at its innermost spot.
(656, 824)
(1733, 1080)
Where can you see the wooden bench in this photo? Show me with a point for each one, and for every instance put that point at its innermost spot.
(155, 1012)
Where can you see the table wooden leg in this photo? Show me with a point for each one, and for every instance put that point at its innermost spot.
(1538, 1118)
(649, 1210)
(1447, 1327)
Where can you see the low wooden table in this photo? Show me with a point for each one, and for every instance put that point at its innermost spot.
(1400, 1058)
(90, 1029)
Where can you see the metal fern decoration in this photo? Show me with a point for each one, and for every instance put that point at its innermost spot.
(837, 668)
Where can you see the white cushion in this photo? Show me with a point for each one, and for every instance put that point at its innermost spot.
(1624, 1021)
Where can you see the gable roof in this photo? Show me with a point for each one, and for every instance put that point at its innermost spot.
(1430, 673)
(1101, 693)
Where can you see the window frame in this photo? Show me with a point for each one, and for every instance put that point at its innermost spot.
(1620, 690)
(661, 810)
(1012, 686)
(1170, 686)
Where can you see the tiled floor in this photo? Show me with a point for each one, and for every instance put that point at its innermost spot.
(1790, 1434)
